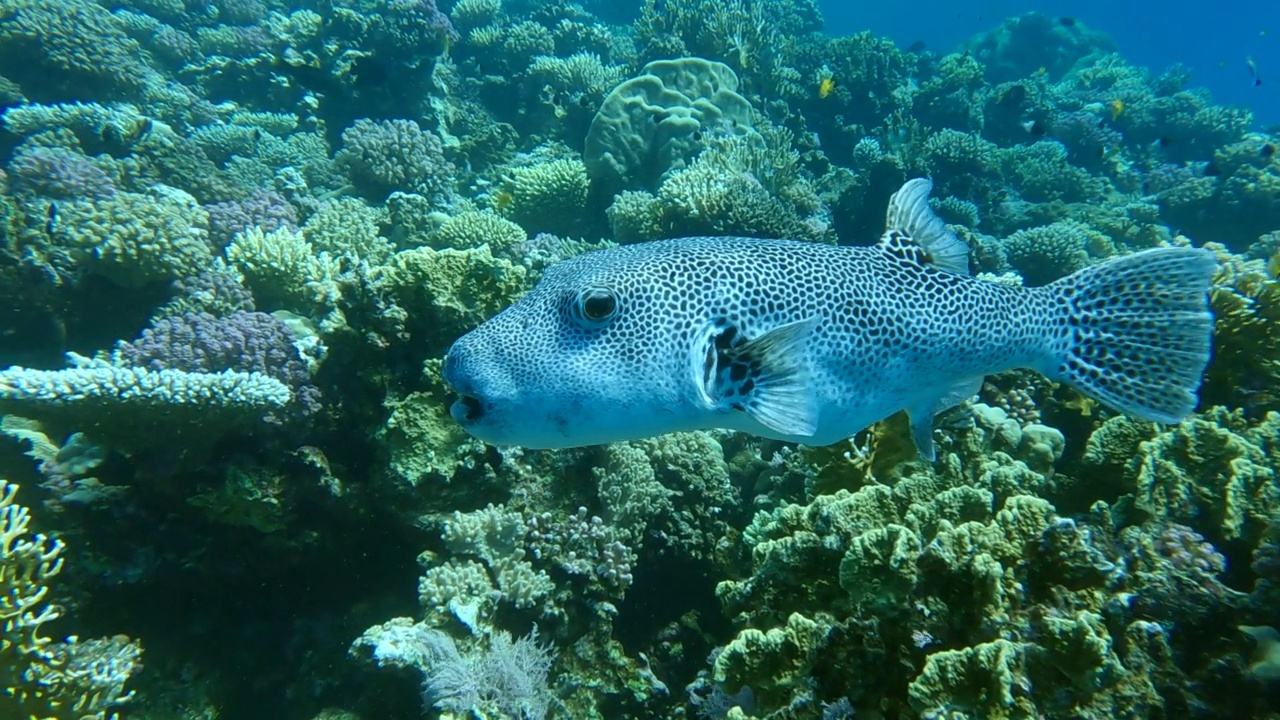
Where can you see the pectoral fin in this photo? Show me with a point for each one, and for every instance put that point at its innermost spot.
(768, 378)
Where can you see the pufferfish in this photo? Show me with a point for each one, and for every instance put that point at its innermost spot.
(812, 343)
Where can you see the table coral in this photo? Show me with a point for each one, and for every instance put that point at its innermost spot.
(94, 396)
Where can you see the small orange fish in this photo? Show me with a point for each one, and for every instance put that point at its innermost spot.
(826, 86)
(1115, 108)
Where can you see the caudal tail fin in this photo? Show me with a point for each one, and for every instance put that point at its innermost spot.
(1136, 332)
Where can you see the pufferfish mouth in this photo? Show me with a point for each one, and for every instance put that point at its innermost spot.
(467, 409)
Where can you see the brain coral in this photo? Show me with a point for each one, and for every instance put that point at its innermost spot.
(655, 122)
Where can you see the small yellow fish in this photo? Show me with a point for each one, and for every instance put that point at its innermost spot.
(826, 86)
(502, 200)
(1115, 108)
(1042, 71)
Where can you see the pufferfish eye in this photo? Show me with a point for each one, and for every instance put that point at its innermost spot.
(597, 305)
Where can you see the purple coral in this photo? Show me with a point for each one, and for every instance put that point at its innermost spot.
(243, 341)
(1187, 550)
(412, 29)
(383, 156)
(59, 174)
(214, 292)
(266, 209)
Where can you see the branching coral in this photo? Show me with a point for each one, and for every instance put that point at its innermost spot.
(383, 156)
(59, 50)
(42, 678)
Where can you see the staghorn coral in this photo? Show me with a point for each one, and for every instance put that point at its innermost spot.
(582, 75)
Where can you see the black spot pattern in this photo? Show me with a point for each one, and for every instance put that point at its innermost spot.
(1136, 333)
(891, 331)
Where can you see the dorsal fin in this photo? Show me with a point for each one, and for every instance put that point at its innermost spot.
(911, 222)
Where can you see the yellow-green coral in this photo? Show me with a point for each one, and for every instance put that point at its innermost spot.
(40, 678)
(550, 196)
(1216, 473)
(422, 441)
(472, 229)
(455, 290)
(775, 662)
(135, 239)
(283, 269)
(1246, 339)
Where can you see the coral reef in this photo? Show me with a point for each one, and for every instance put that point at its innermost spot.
(655, 122)
(41, 677)
(238, 237)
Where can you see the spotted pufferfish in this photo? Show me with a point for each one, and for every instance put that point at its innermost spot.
(812, 343)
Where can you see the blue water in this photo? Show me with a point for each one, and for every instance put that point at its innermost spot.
(1213, 42)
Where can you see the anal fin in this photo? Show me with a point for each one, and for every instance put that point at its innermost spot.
(921, 415)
